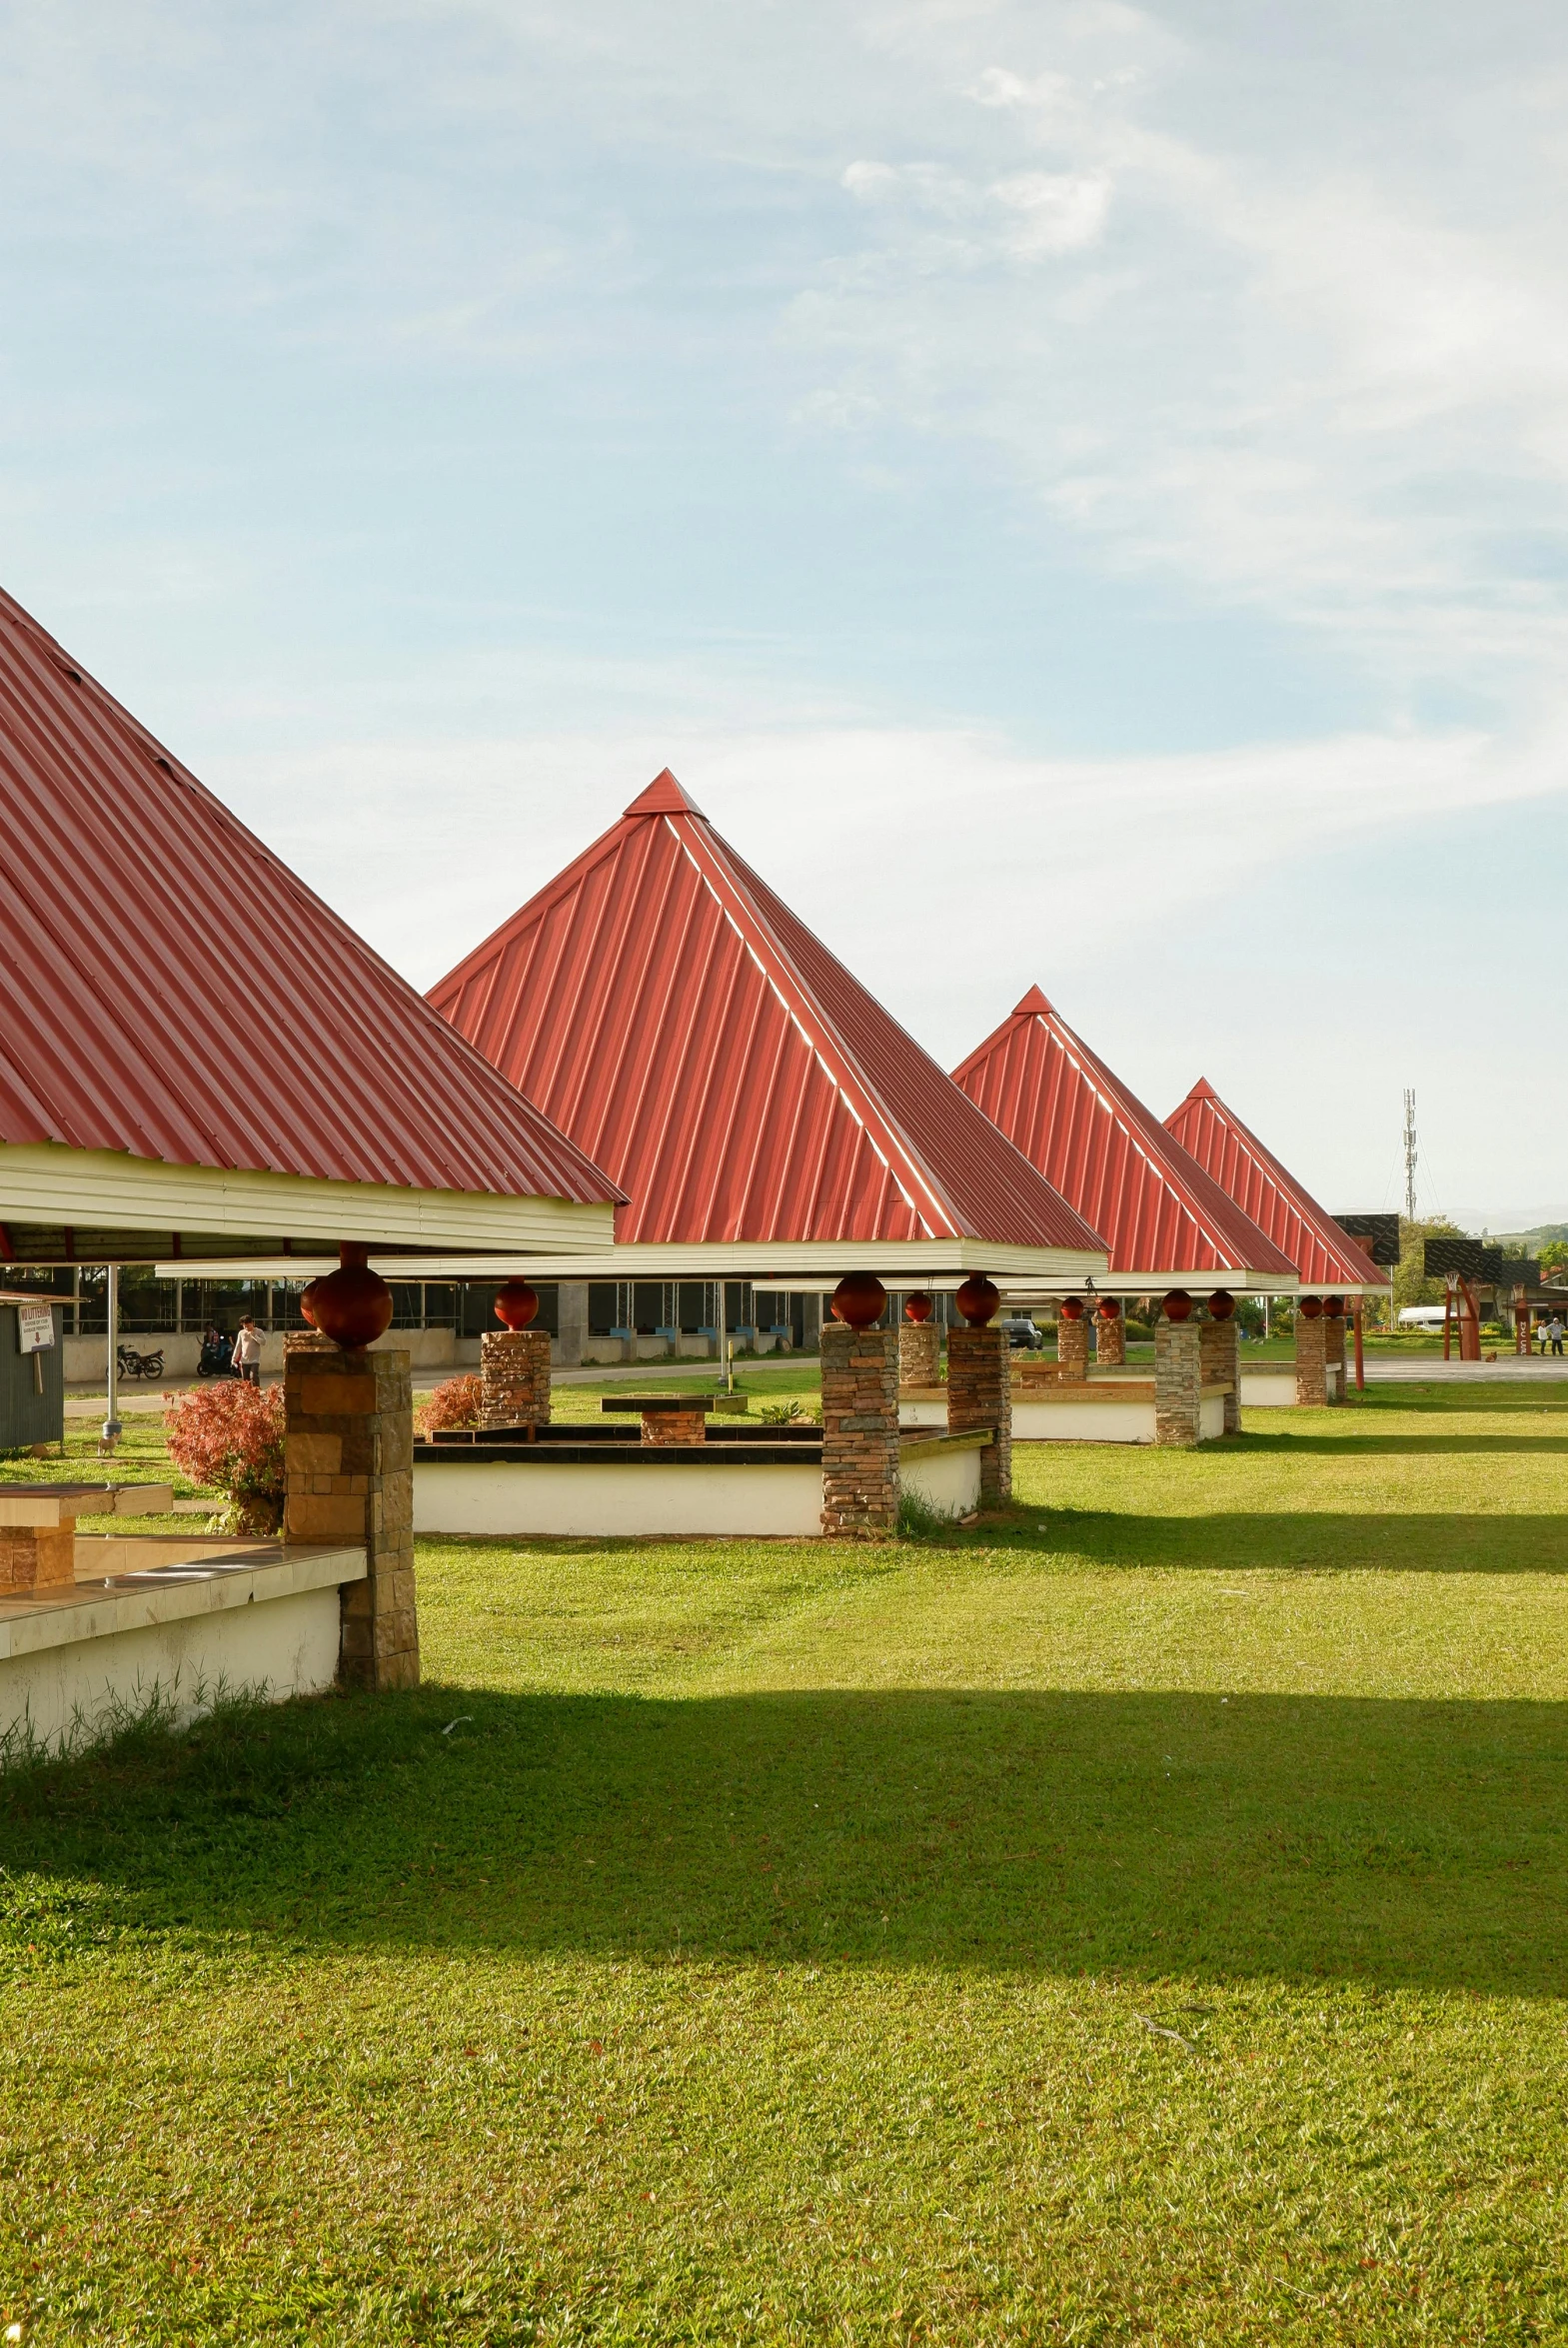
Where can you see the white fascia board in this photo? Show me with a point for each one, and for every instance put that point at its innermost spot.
(1157, 1284)
(811, 1262)
(103, 1189)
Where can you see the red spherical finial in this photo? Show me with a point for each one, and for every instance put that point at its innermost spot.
(1072, 1309)
(308, 1301)
(979, 1299)
(917, 1308)
(1310, 1307)
(858, 1299)
(352, 1305)
(1178, 1306)
(1334, 1306)
(1221, 1304)
(1109, 1309)
(515, 1305)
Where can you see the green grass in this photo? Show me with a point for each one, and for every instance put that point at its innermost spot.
(141, 1456)
(1143, 1918)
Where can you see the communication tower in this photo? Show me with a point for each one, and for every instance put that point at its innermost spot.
(1409, 1154)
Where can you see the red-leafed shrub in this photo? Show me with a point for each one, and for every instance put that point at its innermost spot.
(230, 1436)
(457, 1402)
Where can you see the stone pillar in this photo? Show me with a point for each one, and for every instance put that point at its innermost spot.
(572, 1315)
(920, 1354)
(860, 1431)
(1333, 1353)
(514, 1368)
(1311, 1354)
(1221, 1354)
(979, 1393)
(1110, 1341)
(669, 1429)
(348, 1452)
(1072, 1348)
(37, 1556)
(1178, 1380)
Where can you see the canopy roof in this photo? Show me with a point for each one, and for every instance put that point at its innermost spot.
(1326, 1258)
(663, 1006)
(1164, 1219)
(175, 1001)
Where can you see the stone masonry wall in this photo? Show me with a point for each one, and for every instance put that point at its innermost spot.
(1178, 1380)
(349, 1460)
(860, 1431)
(979, 1393)
(37, 1556)
(1333, 1356)
(1311, 1354)
(920, 1354)
(1072, 1350)
(1110, 1341)
(514, 1368)
(669, 1429)
(1221, 1358)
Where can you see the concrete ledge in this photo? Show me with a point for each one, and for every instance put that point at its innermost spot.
(724, 1493)
(253, 1619)
(927, 1446)
(201, 1579)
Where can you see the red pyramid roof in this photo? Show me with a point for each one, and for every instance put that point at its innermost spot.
(1325, 1257)
(1107, 1154)
(170, 990)
(663, 1006)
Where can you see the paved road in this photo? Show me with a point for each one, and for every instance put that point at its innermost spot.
(1431, 1368)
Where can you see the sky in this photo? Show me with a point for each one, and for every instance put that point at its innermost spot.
(1077, 494)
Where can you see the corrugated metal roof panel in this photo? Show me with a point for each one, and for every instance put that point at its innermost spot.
(168, 987)
(662, 1004)
(1107, 1154)
(1326, 1258)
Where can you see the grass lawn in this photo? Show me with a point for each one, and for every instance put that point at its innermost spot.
(1141, 1919)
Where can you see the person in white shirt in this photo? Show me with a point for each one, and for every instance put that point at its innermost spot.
(248, 1351)
(1554, 1330)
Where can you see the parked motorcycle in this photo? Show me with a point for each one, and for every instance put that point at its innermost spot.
(134, 1365)
(217, 1356)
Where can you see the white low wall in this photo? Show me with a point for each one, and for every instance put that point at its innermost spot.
(1271, 1386)
(87, 1358)
(68, 1666)
(1110, 1421)
(623, 1499)
(947, 1480)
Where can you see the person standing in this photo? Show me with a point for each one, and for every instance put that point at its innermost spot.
(1554, 1330)
(248, 1351)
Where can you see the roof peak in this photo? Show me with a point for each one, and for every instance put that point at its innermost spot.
(1033, 1005)
(664, 796)
(1203, 1091)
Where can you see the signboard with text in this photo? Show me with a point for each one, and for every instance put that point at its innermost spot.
(34, 1328)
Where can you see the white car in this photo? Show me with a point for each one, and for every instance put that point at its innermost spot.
(1421, 1317)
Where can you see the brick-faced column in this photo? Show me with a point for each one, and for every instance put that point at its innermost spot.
(1072, 1348)
(1110, 1341)
(1334, 1330)
(514, 1368)
(348, 1460)
(37, 1556)
(669, 1429)
(920, 1354)
(1311, 1355)
(979, 1393)
(860, 1431)
(1178, 1380)
(1221, 1358)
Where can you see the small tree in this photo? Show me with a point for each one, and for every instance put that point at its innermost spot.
(457, 1402)
(230, 1437)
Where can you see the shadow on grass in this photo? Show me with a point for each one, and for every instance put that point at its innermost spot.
(1414, 1843)
(1313, 1541)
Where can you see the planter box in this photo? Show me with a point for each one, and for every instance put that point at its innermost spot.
(589, 1483)
(179, 1617)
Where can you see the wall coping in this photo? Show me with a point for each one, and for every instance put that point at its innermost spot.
(139, 1600)
(922, 1444)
